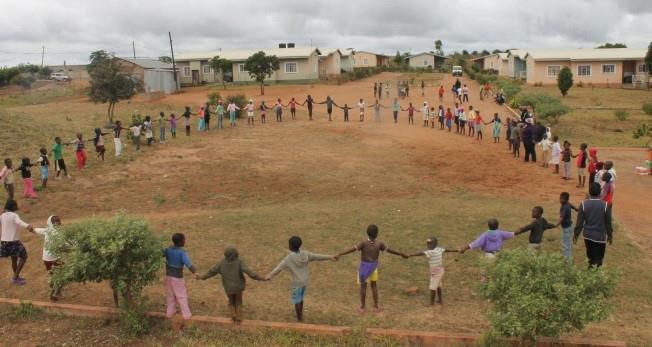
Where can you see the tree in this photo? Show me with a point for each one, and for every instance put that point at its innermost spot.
(538, 294)
(496, 51)
(564, 80)
(121, 250)
(398, 59)
(222, 65)
(108, 83)
(165, 59)
(485, 52)
(474, 53)
(465, 52)
(439, 47)
(260, 67)
(613, 45)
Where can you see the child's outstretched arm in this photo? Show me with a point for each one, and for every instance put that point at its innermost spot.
(419, 254)
(282, 265)
(320, 257)
(391, 251)
(215, 270)
(348, 251)
(250, 273)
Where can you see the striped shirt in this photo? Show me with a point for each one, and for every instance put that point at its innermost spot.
(435, 257)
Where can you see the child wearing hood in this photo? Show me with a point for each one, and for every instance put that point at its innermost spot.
(297, 263)
(232, 270)
(49, 259)
(491, 241)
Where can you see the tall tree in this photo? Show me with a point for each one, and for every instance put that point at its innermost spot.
(222, 65)
(260, 67)
(564, 80)
(496, 51)
(108, 83)
(485, 52)
(465, 52)
(439, 47)
(165, 59)
(613, 45)
(648, 63)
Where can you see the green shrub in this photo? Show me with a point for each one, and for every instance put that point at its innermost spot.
(214, 97)
(545, 107)
(121, 250)
(239, 99)
(621, 115)
(133, 319)
(647, 108)
(565, 80)
(25, 310)
(362, 72)
(24, 80)
(510, 88)
(539, 294)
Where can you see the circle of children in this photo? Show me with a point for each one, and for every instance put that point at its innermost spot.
(593, 220)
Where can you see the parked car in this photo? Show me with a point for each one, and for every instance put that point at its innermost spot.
(457, 70)
(59, 76)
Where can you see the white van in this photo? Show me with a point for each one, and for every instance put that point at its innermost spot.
(59, 76)
(457, 70)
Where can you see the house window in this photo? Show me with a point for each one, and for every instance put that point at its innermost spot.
(186, 71)
(365, 62)
(241, 68)
(553, 70)
(291, 68)
(609, 68)
(584, 70)
(425, 62)
(206, 69)
(642, 68)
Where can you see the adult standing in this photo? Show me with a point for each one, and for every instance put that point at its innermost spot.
(329, 106)
(594, 223)
(308, 102)
(528, 142)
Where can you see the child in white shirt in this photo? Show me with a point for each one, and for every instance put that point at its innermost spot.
(49, 259)
(435, 257)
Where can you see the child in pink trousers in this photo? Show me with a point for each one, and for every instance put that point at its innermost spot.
(175, 286)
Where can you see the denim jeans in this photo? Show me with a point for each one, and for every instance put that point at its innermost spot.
(567, 243)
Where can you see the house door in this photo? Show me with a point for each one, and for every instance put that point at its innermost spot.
(195, 77)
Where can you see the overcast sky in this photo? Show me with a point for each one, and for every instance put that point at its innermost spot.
(71, 29)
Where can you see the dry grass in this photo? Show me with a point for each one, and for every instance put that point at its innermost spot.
(325, 182)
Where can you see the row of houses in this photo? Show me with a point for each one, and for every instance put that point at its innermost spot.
(598, 66)
(297, 64)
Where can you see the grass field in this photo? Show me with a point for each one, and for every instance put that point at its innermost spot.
(325, 181)
(592, 117)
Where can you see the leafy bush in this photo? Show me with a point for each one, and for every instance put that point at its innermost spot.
(510, 88)
(647, 108)
(538, 294)
(565, 80)
(644, 131)
(360, 73)
(621, 115)
(25, 310)
(238, 99)
(546, 107)
(24, 80)
(121, 250)
(213, 98)
(133, 319)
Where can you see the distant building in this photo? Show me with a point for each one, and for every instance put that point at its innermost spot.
(297, 64)
(426, 60)
(330, 63)
(156, 75)
(598, 66)
(346, 61)
(368, 59)
(497, 61)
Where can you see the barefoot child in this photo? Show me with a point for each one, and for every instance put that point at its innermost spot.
(250, 112)
(7, 175)
(50, 260)
(426, 113)
(582, 161)
(232, 270)
(297, 264)
(491, 241)
(263, 110)
(98, 140)
(44, 163)
(26, 173)
(80, 151)
(175, 286)
(346, 109)
(436, 262)
(566, 156)
(368, 271)
(117, 131)
(10, 245)
(361, 106)
(173, 125)
(149, 131)
(536, 229)
(566, 222)
(496, 125)
(161, 127)
(555, 158)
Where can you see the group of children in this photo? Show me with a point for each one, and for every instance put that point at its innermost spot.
(233, 269)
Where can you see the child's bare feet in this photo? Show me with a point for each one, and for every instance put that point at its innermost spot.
(362, 310)
(378, 309)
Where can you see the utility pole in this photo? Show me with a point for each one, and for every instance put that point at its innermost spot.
(42, 56)
(174, 65)
(133, 46)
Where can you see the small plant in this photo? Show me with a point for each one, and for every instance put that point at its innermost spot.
(159, 199)
(643, 131)
(565, 80)
(621, 115)
(647, 108)
(134, 320)
(25, 310)
(538, 294)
